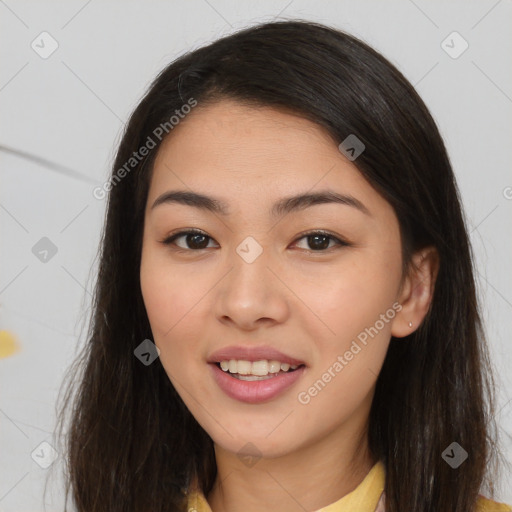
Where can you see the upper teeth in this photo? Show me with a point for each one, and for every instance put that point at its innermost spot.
(262, 367)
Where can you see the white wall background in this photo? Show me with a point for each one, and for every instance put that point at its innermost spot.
(69, 109)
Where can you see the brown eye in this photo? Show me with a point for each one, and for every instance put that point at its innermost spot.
(194, 240)
(319, 241)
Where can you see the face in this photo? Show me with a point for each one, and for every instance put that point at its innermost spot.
(267, 282)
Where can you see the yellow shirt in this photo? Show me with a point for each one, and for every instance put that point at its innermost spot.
(368, 496)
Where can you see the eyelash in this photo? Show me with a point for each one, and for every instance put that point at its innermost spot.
(170, 239)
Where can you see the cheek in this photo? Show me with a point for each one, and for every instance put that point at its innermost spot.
(171, 298)
(356, 294)
(357, 304)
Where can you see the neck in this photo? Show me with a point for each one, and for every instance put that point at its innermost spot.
(307, 479)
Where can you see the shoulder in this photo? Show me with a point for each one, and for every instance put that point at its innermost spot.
(486, 505)
(197, 502)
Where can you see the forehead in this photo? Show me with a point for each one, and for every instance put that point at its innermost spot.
(252, 155)
(229, 132)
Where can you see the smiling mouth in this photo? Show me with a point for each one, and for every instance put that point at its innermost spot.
(257, 370)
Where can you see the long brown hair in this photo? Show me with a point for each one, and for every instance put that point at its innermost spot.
(132, 444)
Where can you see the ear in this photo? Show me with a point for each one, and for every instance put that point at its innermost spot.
(416, 292)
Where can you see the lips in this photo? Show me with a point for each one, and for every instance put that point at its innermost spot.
(259, 391)
(252, 354)
(249, 389)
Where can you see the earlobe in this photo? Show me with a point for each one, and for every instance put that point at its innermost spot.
(416, 292)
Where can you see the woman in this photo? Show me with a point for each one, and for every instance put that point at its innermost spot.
(285, 316)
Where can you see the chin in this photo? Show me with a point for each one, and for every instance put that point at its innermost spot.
(254, 444)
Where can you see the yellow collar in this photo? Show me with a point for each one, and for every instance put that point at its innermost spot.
(368, 496)
(364, 498)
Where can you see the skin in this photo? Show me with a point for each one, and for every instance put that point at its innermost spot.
(308, 304)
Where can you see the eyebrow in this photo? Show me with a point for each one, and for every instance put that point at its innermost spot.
(281, 207)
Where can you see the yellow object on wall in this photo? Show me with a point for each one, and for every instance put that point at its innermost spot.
(8, 344)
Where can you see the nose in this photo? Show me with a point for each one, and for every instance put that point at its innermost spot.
(252, 294)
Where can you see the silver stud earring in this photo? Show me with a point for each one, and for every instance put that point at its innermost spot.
(410, 324)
